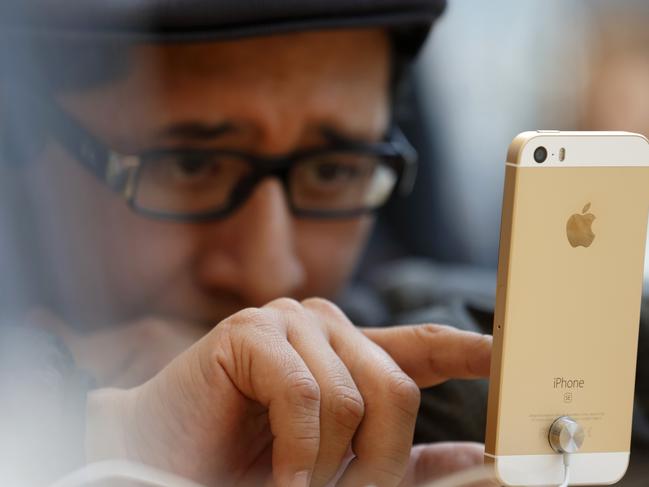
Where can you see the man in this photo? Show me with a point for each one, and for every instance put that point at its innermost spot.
(181, 211)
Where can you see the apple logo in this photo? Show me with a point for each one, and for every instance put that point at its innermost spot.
(579, 228)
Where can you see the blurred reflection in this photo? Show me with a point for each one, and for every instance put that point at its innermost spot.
(491, 71)
(121, 162)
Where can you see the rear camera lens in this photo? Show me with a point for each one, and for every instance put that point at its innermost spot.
(540, 154)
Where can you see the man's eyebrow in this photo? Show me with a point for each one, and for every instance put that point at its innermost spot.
(335, 134)
(196, 131)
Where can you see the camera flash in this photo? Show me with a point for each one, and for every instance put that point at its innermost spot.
(562, 154)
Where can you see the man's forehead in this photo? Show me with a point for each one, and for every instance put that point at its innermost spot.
(281, 65)
(233, 90)
(262, 54)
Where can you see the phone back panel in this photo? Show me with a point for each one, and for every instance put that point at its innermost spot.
(566, 322)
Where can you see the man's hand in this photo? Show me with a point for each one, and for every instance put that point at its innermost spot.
(285, 390)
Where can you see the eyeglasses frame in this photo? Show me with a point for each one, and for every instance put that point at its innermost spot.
(120, 172)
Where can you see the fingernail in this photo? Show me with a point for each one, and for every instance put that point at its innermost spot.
(301, 479)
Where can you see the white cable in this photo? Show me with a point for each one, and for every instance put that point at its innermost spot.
(465, 477)
(566, 469)
(116, 469)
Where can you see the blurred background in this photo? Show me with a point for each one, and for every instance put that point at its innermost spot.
(492, 70)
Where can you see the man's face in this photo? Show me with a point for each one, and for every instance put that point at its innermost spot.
(278, 92)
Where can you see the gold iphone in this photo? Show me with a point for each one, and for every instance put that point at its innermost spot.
(570, 277)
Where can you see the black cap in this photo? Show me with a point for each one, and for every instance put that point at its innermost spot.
(178, 20)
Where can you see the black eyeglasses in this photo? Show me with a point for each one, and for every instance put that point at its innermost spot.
(341, 180)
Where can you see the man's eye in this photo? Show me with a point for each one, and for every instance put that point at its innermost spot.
(183, 168)
(195, 165)
(336, 172)
(341, 168)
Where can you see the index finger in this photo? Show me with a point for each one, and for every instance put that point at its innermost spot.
(432, 354)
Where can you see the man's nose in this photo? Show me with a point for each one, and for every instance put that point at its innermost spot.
(253, 252)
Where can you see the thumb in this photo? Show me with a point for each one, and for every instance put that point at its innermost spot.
(432, 354)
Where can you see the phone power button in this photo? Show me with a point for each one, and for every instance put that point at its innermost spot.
(566, 435)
